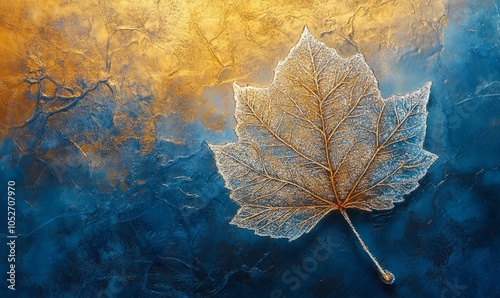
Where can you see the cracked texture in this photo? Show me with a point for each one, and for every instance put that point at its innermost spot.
(170, 51)
(112, 196)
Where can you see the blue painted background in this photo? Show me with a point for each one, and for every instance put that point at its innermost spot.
(167, 234)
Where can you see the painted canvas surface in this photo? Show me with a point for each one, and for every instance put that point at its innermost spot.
(109, 187)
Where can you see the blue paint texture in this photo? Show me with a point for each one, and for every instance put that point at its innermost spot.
(164, 230)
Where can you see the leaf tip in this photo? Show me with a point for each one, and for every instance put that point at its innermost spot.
(427, 86)
(306, 33)
(214, 147)
(236, 86)
(433, 157)
(425, 91)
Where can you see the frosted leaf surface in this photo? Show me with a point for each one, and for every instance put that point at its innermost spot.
(319, 138)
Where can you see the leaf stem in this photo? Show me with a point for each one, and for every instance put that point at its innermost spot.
(386, 276)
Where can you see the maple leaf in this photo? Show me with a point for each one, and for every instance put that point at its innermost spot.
(321, 138)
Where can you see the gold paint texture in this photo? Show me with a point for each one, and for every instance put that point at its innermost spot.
(183, 55)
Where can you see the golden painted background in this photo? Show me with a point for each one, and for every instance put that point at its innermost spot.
(182, 56)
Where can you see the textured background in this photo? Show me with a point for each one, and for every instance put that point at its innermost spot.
(106, 108)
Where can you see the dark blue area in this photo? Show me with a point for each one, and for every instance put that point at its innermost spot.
(164, 230)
